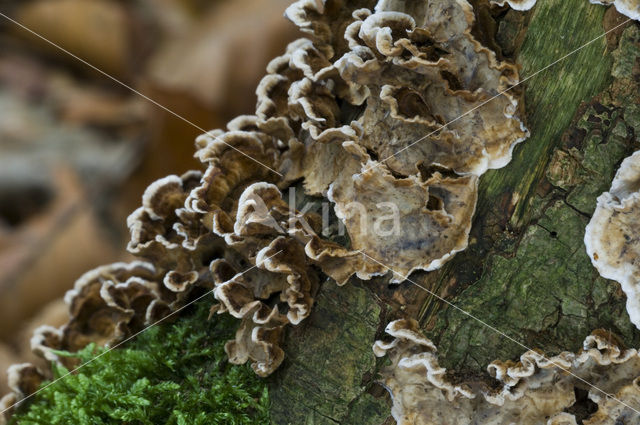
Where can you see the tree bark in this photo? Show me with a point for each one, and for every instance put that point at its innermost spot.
(526, 271)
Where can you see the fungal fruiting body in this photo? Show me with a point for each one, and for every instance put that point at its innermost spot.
(516, 4)
(536, 390)
(391, 110)
(630, 8)
(612, 236)
(408, 72)
(365, 113)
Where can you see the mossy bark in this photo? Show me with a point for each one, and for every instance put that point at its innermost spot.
(525, 271)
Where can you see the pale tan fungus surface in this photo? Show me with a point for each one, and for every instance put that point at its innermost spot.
(536, 390)
(612, 237)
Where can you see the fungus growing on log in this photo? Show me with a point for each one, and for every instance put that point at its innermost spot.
(414, 74)
(417, 219)
(612, 235)
(536, 390)
(24, 379)
(516, 4)
(365, 111)
(393, 106)
(631, 8)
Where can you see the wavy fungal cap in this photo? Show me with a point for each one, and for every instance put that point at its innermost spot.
(631, 8)
(535, 390)
(612, 236)
(516, 4)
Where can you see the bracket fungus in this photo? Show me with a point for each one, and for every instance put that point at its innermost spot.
(388, 106)
(24, 379)
(385, 105)
(407, 75)
(630, 8)
(536, 390)
(516, 4)
(612, 235)
(106, 305)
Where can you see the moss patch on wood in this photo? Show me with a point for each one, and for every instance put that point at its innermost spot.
(171, 374)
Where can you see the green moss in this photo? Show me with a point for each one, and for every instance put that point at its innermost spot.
(171, 374)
